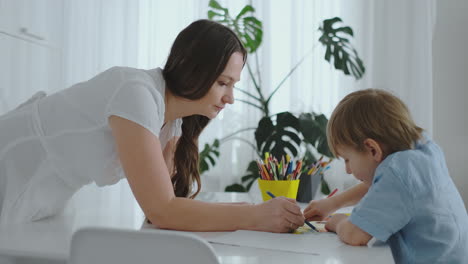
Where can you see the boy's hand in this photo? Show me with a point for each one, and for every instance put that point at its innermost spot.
(318, 210)
(347, 231)
(333, 221)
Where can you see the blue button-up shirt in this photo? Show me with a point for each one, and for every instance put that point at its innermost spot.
(414, 204)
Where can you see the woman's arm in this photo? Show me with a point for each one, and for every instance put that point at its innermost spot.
(144, 165)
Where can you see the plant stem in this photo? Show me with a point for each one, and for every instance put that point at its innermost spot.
(245, 141)
(264, 103)
(258, 69)
(249, 94)
(252, 76)
(290, 72)
(249, 103)
(237, 132)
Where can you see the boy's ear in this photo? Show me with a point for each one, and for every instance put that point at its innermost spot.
(374, 148)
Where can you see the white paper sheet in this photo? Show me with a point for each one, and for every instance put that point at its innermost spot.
(310, 243)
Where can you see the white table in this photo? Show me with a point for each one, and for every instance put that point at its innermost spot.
(48, 241)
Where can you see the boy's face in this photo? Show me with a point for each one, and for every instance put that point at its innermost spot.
(361, 164)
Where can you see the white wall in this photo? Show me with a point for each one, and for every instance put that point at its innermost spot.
(30, 49)
(450, 76)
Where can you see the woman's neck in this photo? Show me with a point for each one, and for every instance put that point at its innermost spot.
(177, 107)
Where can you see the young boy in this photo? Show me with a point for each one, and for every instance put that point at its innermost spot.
(406, 196)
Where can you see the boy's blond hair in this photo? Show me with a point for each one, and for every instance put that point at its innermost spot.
(375, 114)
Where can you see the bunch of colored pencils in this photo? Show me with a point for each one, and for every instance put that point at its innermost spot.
(280, 170)
(319, 167)
(274, 170)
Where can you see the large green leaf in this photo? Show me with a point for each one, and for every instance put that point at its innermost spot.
(208, 156)
(247, 180)
(218, 13)
(325, 189)
(280, 137)
(236, 187)
(338, 47)
(314, 130)
(251, 176)
(245, 25)
(308, 159)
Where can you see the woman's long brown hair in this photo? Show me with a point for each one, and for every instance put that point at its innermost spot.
(198, 56)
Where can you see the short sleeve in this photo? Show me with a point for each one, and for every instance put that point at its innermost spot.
(386, 207)
(139, 103)
(178, 127)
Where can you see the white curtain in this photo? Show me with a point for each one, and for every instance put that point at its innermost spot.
(399, 53)
(394, 39)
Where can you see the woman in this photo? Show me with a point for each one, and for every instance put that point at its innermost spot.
(139, 124)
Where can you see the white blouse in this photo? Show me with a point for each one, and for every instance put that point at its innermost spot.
(52, 145)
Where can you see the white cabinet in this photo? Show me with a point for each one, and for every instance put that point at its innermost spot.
(30, 49)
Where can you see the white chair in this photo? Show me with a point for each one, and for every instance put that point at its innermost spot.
(116, 246)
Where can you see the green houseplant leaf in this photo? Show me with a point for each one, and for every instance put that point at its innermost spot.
(245, 25)
(313, 128)
(338, 47)
(236, 187)
(247, 180)
(251, 176)
(280, 137)
(324, 188)
(208, 156)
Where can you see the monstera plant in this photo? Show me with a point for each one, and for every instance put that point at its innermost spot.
(281, 133)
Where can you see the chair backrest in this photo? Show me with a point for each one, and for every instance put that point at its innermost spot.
(115, 246)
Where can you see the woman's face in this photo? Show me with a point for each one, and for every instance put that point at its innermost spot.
(222, 91)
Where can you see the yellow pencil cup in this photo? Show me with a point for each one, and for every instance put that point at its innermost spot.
(278, 188)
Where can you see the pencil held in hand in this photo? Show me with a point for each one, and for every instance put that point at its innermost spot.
(305, 221)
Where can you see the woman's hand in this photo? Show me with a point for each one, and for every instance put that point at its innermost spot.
(318, 210)
(279, 215)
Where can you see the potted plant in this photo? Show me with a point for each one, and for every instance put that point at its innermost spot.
(281, 133)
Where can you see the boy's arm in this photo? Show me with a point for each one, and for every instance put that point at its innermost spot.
(347, 231)
(320, 209)
(351, 196)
